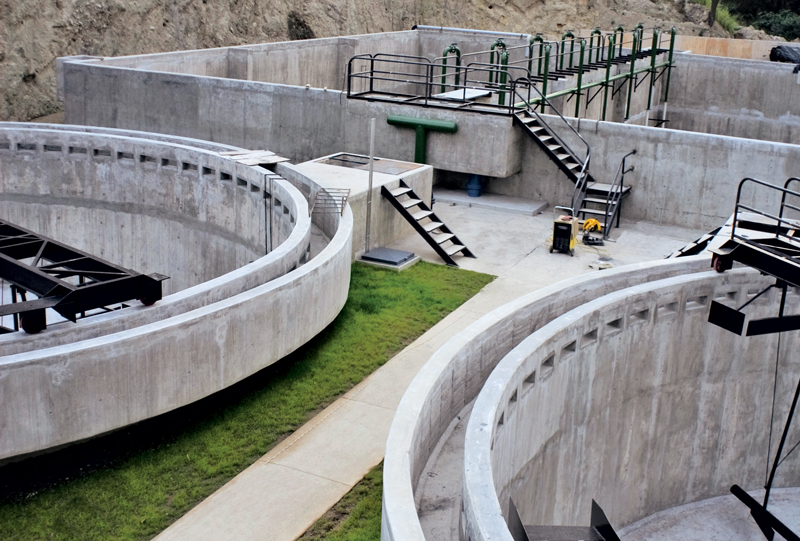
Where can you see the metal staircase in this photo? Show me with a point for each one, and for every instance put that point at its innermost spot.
(590, 197)
(427, 224)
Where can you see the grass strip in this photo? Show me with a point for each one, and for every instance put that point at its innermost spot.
(356, 517)
(132, 484)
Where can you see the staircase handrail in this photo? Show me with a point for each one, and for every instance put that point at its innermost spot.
(614, 195)
(779, 220)
(583, 176)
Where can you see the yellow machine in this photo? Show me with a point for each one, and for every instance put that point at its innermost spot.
(565, 230)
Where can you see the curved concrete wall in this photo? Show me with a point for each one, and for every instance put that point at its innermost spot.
(36, 196)
(457, 371)
(633, 400)
(62, 394)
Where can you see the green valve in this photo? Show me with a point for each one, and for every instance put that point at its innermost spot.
(422, 126)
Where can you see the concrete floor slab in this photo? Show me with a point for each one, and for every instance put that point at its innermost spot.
(715, 519)
(491, 201)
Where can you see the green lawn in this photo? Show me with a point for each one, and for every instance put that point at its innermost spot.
(134, 483)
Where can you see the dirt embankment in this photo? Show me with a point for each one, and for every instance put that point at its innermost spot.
(33, 33)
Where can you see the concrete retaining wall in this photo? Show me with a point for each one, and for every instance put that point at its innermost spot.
(57, 395)
(680, 178)
(739, 98)
(458, 370)
(633, 400)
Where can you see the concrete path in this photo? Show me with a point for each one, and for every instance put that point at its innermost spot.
(285, 491)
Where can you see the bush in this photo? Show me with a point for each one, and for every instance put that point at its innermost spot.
(784, 23)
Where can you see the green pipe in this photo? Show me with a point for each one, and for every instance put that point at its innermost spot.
(653, 52)
(534, 39)
(669, 61)
(451, 49)
(500, 45)
(630, 79)
(567, 34)
(621, 37)
(611, 42)
(422, 126)
(639, 30)
(580, 79)
(502, 78)
(599, 34)
(546, 72)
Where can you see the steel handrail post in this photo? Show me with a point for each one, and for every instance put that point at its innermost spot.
(349, 76)
(611, 43)
(653, 53)
(546, 74)
(580, 79)
(371, 73)
(630, 79)
(669, 67)
(621, 37)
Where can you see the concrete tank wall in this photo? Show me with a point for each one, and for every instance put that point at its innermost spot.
(207, 338)
(680, 178)
(145, 205)
(739, 98)
(633, 400)
(458, 370)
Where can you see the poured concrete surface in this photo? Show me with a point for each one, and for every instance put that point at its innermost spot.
(715, 519)
(322, 460)
(490, 201)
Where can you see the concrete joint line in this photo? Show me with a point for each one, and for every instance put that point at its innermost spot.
(321, 417)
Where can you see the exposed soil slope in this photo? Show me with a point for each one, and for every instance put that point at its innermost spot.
(33, 33)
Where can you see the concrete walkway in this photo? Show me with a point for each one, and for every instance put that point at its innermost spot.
(285, 491)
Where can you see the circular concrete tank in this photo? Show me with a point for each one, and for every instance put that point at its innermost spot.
(178, 207)
(633, 400)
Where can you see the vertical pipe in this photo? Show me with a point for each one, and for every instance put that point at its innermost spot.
(599, 34)
(502, 77)
(621, 37)
(534, 39)
(369, 191)
(567, 34)
(611, 44)
(580, 79)
(499, 44)
(546, 73)
(450, 49)
(630, 79)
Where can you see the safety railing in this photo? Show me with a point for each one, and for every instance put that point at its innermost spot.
(458, 79)
(785, 229)
(614, 197)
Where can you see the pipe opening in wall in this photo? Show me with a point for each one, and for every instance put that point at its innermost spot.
(102, 153)
(52, 148)
(77, 150)
(125, 155)
(225, 176)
